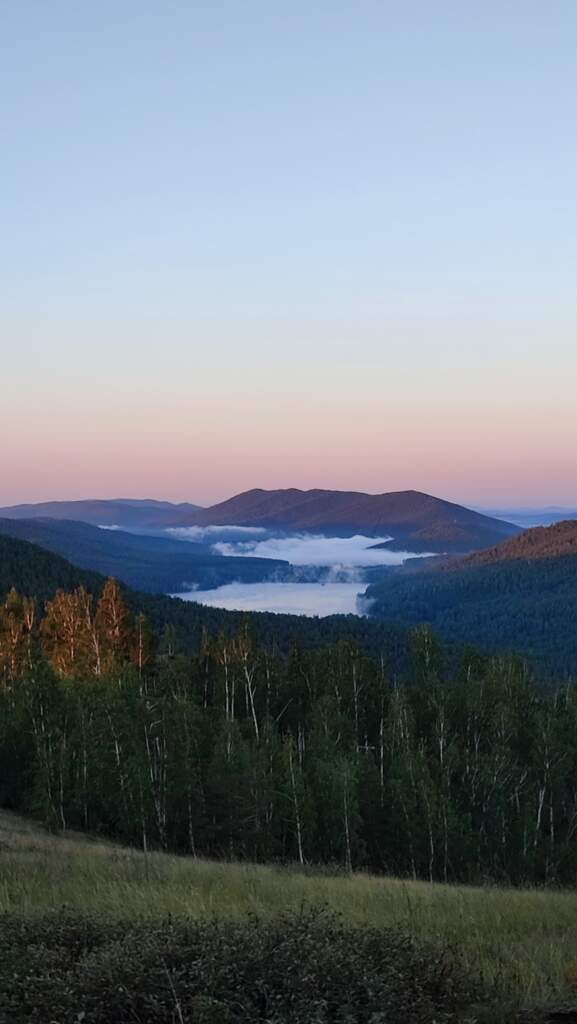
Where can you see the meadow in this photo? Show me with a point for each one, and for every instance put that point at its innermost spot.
(520, 944)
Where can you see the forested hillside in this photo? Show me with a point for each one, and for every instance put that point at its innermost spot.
(316, 755)
(158, 565)
(520, 596)
(540, 542)
(32, 570)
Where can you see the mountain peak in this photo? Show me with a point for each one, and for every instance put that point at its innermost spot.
(415, 520)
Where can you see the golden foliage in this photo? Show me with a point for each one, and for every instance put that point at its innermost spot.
(77, 637)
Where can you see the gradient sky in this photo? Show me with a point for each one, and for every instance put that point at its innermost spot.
(301, 244)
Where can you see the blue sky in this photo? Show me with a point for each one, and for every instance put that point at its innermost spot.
(229, 228)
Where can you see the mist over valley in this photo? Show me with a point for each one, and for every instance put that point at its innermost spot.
(301, 552)
(326, 575)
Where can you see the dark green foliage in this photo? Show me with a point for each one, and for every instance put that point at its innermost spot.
(315, 756)
(308, 969)
(514, 605)
(192, 621)
(40, 573)
(380, 755)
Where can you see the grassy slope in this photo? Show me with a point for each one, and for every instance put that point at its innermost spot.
(525, 942)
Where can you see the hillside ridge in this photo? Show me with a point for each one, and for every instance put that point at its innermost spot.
(539, 542)
(156, 564)
(141, 513)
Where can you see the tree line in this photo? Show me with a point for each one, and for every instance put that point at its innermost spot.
(321, 755)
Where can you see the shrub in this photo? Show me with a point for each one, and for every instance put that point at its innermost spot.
(304, 969)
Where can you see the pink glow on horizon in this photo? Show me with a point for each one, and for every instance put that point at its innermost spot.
(207, 451)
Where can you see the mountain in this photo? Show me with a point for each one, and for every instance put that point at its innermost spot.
(416, 521)
(153, 564)
(129, 513)
(520, 595)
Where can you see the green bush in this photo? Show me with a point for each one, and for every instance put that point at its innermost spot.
(305, 969)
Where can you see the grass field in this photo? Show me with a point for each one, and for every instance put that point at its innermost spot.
(524, 943)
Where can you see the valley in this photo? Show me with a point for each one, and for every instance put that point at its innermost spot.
(518, 594)
(301, 552)
(327, 574)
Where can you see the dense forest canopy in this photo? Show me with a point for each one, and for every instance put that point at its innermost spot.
(515, 604)
(250, 750)
(32, 570)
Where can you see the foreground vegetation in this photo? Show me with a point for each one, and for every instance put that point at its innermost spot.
(318, 756)
(498, 948)
(251, 753)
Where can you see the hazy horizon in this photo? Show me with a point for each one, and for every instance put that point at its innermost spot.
(486, 508)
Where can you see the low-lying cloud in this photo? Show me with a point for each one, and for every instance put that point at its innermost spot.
(315, 549)
(200, 533)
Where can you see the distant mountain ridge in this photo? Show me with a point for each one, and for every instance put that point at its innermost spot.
(138, 513)
(416, 521)
(529, 517)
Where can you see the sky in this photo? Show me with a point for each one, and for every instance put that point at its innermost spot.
(316, 244)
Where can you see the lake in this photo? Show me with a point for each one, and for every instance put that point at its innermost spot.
(343, 560)
(293, 598)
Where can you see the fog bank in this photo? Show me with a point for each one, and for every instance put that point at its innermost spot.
(296, 548)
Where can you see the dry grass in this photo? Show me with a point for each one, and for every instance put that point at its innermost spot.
(522, 941)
